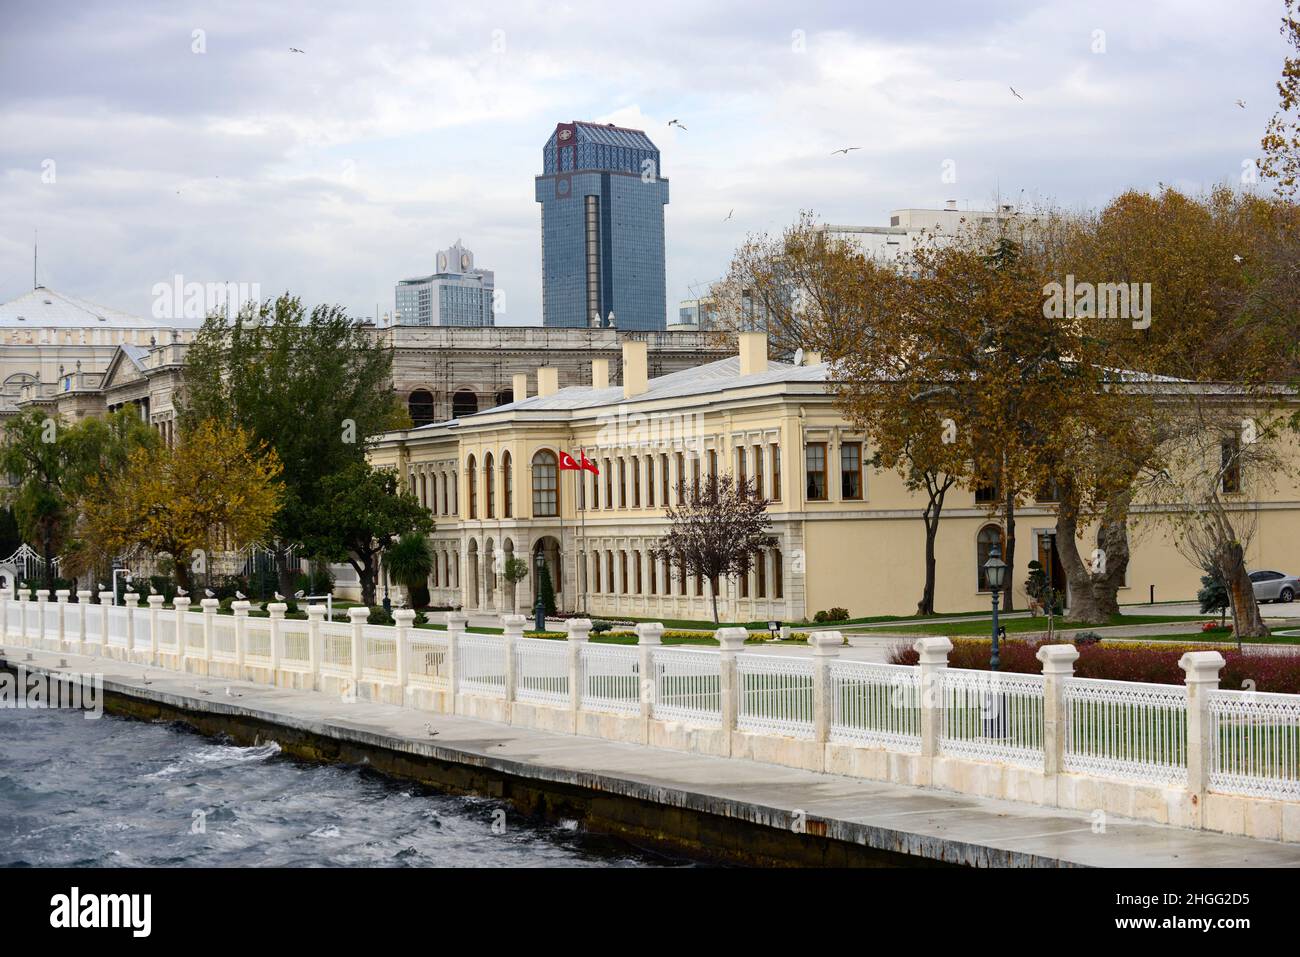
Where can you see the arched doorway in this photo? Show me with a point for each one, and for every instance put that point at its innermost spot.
(472, 568)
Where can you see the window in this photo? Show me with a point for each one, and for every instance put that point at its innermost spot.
(1230, 469)
(740, 466)
(654, 574)
(776, 472)
(650, 481)
(420, 406)
(609, 485)
(695, 476)
(681, 479)
(758, 470)
(622, 482)
(471, 478)
(595, 568)
(777, 572)
(851, 470)
(760, 574)
(636, 481)
(609, 568)
(636, 562)
(989, 536)
(744, 585)
(622, 570)
(663, 479)
(815, 464)
(463, 403)
(681, 575)
(713, 465)
(987, 494)
(546, 489)
(595, 490)
(508, 490)
(489, 480)
(1048, 492)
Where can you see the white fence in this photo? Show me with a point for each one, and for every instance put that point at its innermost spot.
(1218, 741)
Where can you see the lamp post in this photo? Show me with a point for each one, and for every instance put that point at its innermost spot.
(995, 573)
(539, 609)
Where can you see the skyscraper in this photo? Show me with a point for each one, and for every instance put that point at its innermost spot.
(456, 295)
(603, 198)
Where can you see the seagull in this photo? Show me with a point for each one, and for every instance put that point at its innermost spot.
(299, 593)
(729, 215)
(181, 591)
(103, 587)
(1014, 93)
(678, 123)
(846, 151)
(152, 590)
(240, 595)
(279, 597)
(1237, 258)
(1242, 104)
(294, 50)
(428, 728)
(145, 678)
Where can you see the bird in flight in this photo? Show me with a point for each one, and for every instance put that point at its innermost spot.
(1242, 104)
(294, 50)
(846, 151)
(1014, 93)
(677, 123)
(729, 215)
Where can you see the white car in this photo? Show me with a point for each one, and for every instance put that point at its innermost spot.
(1274, 586)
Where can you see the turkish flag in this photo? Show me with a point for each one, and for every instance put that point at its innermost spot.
(588, 464)
(567, 463)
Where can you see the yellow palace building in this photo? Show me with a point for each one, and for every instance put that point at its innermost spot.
(848, 535)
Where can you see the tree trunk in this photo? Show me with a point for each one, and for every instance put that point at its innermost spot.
(1008, 603)
(1083, 605)
(931, 515)
(182, 574)
(365, 569)
(1112, 539)
(713, 591)
(1246, 619)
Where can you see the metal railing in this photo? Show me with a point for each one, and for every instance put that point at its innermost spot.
(1126, 729)
(876, 704)
(1255, 744)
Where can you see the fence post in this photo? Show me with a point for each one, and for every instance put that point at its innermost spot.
(405, 619)
(105, 603)
(1201, 674)
(276, 610)
(932, 660)
(456, 622)
(42, 599)
(1058, 665)
(730, 641)
(826, 648)
(579, 630)
(514, 629)
(240, 609)
(62, 595)
(649, 636)
(181, 605)
(130, 601)
(83, 599)
(209, 606)
(357, 618)
(315, 615)
(22, 616)
(155, 606)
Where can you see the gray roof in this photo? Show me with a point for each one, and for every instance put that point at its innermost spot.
(44, 308)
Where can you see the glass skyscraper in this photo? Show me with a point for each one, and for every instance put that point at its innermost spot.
(603, 198)
(457, 294)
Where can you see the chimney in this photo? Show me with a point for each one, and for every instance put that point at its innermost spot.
(548, 381)
(635, 368)
(812, 358)
(520, 390)
(600, 373)
(753, 353)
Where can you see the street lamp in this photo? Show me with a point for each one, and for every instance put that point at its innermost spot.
(539, 609)
(995, 573)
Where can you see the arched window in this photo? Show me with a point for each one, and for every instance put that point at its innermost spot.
(989, 536)
(420, 406)
(471, 481)
(463, 403)
(489, 479)
(508, 491)
(505, 396)
(546, 487)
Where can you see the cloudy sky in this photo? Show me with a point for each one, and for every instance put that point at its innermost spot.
(404, 126)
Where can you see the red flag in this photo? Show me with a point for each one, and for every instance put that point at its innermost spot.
(587, 464)
(567, 463)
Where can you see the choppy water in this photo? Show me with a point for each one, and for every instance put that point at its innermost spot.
(120, 793)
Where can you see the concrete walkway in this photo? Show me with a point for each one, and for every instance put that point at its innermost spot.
(925, 823)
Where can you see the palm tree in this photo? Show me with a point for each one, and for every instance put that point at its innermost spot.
(409, 561)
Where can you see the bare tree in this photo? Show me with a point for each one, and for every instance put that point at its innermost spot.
(717, 532)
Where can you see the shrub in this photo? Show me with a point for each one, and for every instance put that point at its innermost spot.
(1085, 638)
(835, 614)
(599, 627)
(819, 617)
(378, 616)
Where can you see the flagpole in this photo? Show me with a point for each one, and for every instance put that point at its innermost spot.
(582, 519)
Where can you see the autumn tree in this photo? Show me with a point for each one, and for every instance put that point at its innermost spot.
(716, 532)
(369, 513)
(312, 385)
(215, 486)
(1281, 142)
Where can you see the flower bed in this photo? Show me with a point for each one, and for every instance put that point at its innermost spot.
(1152, 662)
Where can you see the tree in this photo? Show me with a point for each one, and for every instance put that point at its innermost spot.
(514, 570)
(546, 589)
(409, 561)
(313, 386)
(10, 537)
(1281, 142)
(213, 487)
(53, 462)
(1213, 595)
(716, 533)
(368, 514)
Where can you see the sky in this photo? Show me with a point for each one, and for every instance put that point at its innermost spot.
(150, 140)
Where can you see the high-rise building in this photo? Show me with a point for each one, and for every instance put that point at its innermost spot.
(603, 196)
(456, 295)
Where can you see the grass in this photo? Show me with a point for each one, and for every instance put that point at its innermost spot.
(1218, 637)
(1016, 626)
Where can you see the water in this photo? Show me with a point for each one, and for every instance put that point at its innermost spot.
(121, 793)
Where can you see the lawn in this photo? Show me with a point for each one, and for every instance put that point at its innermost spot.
(1018, 626)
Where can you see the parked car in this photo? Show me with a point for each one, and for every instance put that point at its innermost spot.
(1274, 586)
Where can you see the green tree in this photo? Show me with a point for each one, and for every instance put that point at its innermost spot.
(10, 536)
(368, 513)
(314, 386)
(409, 561)
(1213, 595)
(546, 590)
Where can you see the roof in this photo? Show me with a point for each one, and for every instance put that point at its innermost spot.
(610, 135)
(44, 308)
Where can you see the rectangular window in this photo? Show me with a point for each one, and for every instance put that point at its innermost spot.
(758, 470)
(650, 481)
(695, 476)
(713, 463)
(851, 470)
(776, 472)
(815, 465)
(681, 479)
(1230, 467)
(636, 481)
(663, 478)
(595, 567)
(987, 495)
(744, 586)
(609, 485)
(760, 574)
(595, 490)
(622, 482)
(622, 570)
(777, 571)
(636, 560)
(740, 466)
(508, 480)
